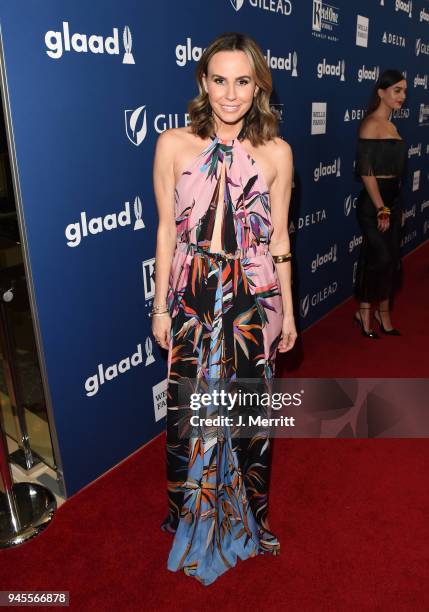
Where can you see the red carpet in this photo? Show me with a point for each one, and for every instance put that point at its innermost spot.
(334, 347)
(351, 515)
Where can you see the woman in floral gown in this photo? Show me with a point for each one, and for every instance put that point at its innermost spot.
(222, 305)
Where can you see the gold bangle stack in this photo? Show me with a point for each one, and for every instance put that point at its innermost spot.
(282, 258)
(383, 213)
(159, 310)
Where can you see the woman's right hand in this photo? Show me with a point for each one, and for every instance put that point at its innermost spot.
(161, 326)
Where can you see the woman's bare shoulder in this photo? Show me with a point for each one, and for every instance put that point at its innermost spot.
(278, 150)
(178, 140)
(370, 128)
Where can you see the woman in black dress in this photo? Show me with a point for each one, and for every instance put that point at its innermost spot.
(380, 162)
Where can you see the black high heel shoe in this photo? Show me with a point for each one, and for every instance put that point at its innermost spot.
(388, 332)
(367, 334)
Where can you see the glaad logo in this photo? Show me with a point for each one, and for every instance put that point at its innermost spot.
(128, 43)
(324, 69)
(58, 42)
(354, 242)
(421, 47)
(333, 169)
(408, 238)
(136, 125)
(317, 298)
(187, 53)
(393, 39)
(289, 63)
(159, 393)
(313, 218)
(320, 260)
(325, 19)
(424, 114)
(366, 74)
(149, 352)
(362, 31)
(103, 375)
(421, 81)
(149, 278)
(355, 114)
(416, 180)
(318, 117)
(410, 212)
(283, 7)
(406, 7)
(349, 203)
(424, 16)
(76, 231)
(417, 150)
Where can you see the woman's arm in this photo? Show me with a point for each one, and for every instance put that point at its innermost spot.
(371, 186)
(280, 193)
(164, 184)
(370, 129)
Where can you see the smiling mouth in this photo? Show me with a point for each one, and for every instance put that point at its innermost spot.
(230, 108)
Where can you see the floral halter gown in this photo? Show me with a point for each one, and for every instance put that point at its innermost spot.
(227, 317)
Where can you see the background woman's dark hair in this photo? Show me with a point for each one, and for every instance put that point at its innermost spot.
(261, 124)
(386, 79)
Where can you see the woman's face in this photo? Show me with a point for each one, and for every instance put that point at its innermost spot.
(394, 96)
(231, 86)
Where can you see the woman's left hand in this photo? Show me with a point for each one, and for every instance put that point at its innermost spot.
(289, 334)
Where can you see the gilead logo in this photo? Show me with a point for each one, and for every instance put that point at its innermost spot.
(58, 42)
(76, 231)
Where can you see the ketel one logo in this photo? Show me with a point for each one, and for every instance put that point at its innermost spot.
(136, 125)
(76, 231)
(59, 42)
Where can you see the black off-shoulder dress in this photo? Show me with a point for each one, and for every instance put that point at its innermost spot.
(379, 263)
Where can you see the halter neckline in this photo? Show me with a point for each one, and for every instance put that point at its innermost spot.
(229, 142)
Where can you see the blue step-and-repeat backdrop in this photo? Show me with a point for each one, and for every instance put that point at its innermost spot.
(91, 86)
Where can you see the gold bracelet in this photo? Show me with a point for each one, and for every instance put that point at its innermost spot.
(383, 211)
(158, 314)
(158, 307)
(282, 258)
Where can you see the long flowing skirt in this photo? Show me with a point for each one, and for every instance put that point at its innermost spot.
(379, 265)
(217, 488)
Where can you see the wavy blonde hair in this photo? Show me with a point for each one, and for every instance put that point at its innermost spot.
(260, 123)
